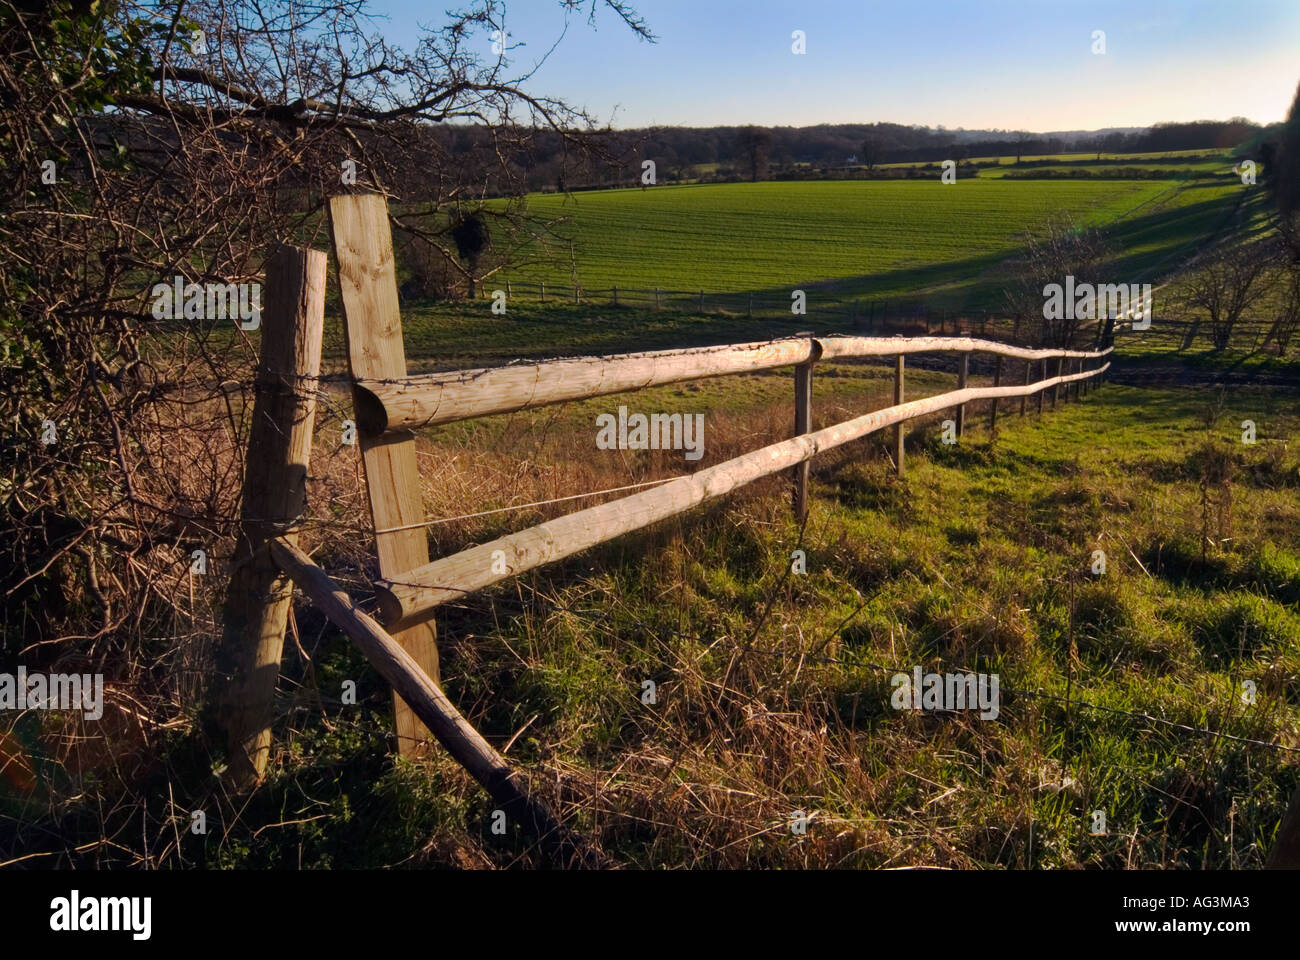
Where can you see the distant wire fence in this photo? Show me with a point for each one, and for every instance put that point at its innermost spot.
(859, 314)
(883, 316)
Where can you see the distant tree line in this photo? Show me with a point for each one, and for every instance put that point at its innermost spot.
(753, 153)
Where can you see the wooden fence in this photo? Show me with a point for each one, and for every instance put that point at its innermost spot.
(390, 405)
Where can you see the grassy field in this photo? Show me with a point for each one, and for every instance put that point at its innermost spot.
(1156, 236)
(883, 239)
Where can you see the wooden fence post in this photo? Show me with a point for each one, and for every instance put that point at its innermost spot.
(963, 373)
(274, 495)
(1029, 374)
(997, 382)
(1041, 392)
(616, 296)
(701, 301)
(363, 245)
(898, 427)
(749, 310)
(802, 424)
(543, 285)
(656, 298)
(1056, 388)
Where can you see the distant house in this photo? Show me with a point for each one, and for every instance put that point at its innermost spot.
(853, 158)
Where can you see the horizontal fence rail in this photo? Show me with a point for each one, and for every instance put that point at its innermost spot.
(405, 403)
(414, 596)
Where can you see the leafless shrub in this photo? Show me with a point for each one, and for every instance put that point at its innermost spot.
(1226, 286)
(1288, 317)
(180, 155)
(1064, 250)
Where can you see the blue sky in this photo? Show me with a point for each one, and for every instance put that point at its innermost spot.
(1015, 64)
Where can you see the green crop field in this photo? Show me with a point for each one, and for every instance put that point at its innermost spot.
(882, 239)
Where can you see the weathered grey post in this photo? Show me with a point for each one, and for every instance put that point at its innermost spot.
(1029, 374)
(274, 496)
(997, 382)
(803, 424)
(963, 373)
(898, 427)
(1041, 392)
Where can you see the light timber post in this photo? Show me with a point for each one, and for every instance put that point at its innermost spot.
(1041, 392)
(274, 496)
(963, 374)
(803, 373)
(1029, 375)
(997, 382)
(368, 284)
(898, 427)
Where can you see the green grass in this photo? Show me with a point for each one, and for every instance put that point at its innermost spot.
(877, 239)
